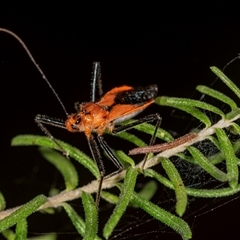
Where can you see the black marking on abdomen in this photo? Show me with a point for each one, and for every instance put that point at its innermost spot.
(137, 95)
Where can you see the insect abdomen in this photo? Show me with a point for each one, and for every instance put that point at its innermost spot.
(137, 95)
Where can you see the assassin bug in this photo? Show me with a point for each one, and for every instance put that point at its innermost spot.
(94, 117)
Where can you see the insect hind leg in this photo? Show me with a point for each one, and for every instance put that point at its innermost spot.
(148, 118)
(153, 138)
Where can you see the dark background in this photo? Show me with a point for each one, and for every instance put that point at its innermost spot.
(139, 46)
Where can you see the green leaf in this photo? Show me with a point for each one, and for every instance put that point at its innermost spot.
(214, 141)
(131, 138)
(82, 158)
(180, 190)
(21, 229)
(185, 102)
(109, 197)
(53, 192)
(2, 202)
(233, 114)
(77, 221)
(149, 189)
(213, 193)
(166, 101)
(124, 199)
(23, 212)
(64, 166)
(162, 215)
(8, 234)
(207, 165)
(219, 157)
(149, 129)
(202, 193)
(124, 157)
(218, 95)
(47, 236)
(231, 159)
(159, 177)
(147, 192)
(226, 80)
(236, 128)
(91, 217)
(146, 128)
(185, 157)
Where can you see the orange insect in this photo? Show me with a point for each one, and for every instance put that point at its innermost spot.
(94, 117)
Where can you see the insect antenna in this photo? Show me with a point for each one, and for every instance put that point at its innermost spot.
(36, 65)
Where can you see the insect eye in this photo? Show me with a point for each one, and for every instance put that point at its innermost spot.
(77, 121)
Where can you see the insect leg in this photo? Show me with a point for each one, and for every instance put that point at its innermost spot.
(98, 159)
(43, 119)
(148, 118)
(153, 138)
(96, 81)
(109, 152)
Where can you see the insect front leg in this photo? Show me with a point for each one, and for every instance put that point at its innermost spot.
(43, 119)
(98, 160)
(109, 152)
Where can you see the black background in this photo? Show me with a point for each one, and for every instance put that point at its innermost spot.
(139, 46)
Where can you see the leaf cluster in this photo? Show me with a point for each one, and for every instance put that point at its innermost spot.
(87, 226)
